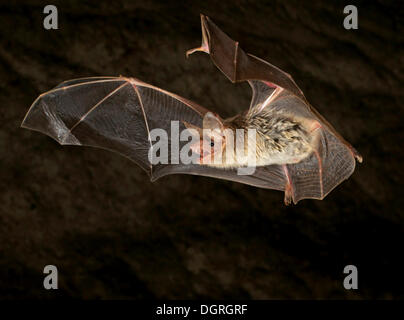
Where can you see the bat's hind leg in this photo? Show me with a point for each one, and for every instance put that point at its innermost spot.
(288, 187)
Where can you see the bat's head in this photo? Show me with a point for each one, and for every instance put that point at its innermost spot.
(211, 139)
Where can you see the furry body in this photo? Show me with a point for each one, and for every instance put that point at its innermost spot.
(279, 139)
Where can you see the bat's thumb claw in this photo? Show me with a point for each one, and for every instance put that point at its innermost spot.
(191, 51)
(202, 48)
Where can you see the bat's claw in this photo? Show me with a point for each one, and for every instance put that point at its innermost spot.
(202, 48)
(288, 195)
(288, 187)
(357, 155)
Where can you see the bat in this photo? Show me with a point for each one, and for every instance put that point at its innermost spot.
(295, 149)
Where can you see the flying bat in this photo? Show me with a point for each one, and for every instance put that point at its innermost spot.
(294, 149)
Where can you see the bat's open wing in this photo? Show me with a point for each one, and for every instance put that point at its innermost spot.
(113, 113)
(118, 114)
(334, 160)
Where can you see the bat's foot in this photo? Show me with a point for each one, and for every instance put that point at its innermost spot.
(356, 154)
(288, 195)
(288, 187)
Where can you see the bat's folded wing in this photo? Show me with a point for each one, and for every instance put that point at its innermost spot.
(237, 65)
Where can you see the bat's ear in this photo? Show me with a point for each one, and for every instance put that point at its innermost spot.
(212, 122)
(197, 129)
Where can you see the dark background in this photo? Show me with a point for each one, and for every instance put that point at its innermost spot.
(114, 234)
